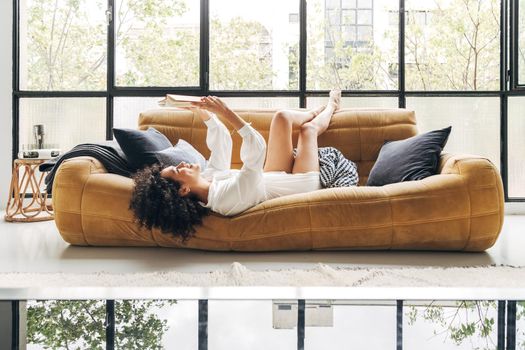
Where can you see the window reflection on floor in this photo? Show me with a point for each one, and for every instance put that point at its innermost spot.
(353, 325)
(154, 324)
(266, 324)
(66, 324)
(520, 325)
(244, 324)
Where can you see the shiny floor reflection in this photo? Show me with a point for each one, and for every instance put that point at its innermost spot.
(274, 324)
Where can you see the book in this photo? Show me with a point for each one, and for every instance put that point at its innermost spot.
(178, 100)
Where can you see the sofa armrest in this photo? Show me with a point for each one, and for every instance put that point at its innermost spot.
(485, 188)
(68, 187)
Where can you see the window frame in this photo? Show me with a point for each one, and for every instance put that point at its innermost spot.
(514, 73)
(507, 33)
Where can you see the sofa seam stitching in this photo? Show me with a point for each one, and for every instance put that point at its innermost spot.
(81, 205)
(458, 162)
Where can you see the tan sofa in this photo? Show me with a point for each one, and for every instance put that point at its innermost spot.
(461, 208)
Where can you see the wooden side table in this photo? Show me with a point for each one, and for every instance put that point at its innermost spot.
(24, 182)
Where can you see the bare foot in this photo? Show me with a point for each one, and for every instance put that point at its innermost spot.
(335, 99)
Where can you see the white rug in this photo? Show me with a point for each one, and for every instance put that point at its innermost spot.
(320, 276)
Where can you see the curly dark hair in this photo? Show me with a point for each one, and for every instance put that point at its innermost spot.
(156, 203)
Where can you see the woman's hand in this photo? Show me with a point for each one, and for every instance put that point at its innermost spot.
(212, 104)
(215, 105)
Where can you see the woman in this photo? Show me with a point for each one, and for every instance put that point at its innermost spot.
(176, 198)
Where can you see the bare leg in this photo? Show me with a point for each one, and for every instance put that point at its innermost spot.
(307, 158)
(279, 156)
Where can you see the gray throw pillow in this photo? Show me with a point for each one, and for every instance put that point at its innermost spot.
(140, 146)
(181, 152)
(411, 159)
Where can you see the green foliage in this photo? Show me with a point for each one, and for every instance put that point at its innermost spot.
(66, 324)
(466, 321)
(457, 50)
(72, 324)
(345, 67)
(155, 52)
(63, 53)
(240, 55)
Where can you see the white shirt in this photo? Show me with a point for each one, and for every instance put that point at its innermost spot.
(233, 191)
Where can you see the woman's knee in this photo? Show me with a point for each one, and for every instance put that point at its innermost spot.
(282, 117)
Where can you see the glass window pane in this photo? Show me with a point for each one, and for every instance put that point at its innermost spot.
(157, 44)
(349, 4)
(243, 324)
(475, 123)
(63, 45)
(66, 324)
(253, 46)
(156, 324)
(67, 121)
(261, 102)
(364, 33)
(356, 102)
(516, 146)
(334, 17)
(365, 4)
(458, 49)
(349, 34)
(348, 17)
(127, 110)
(361, 56)
(332, 4)
(364, 17)
(521, 43)
(352, 323)
(450, 325)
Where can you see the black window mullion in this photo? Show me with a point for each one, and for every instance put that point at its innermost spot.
(501, 324)
(511, 325)
(205, 47)
(110, 324)
(401, 58)
(15, 325)
(110, 69)
(504, 98)
(203, 324)
(15, 127)
(514, 42)
(399, 325)
(302, 53)
(301, 305)
(503, 46)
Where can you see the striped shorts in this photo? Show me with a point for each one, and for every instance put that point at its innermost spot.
(335, 170)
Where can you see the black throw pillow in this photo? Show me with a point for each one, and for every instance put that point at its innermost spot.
(181, 152)
(411, 159)
(140, 147)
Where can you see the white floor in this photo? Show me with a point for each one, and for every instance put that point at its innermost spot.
(38, 247)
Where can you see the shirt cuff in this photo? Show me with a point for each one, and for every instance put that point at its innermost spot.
(246, 130)
(212, 122)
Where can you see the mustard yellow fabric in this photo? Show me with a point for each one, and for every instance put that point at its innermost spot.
(461, 208)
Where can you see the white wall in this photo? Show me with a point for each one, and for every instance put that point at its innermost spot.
(6, 20)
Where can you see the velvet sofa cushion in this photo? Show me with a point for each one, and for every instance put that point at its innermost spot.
(411, 159)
